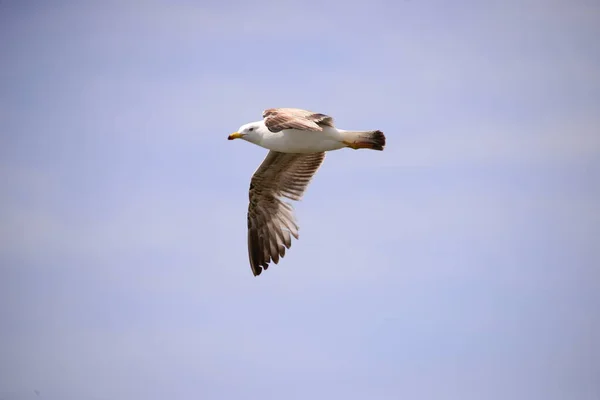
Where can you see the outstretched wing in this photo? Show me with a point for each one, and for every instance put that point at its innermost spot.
(271, 220)
(277, 119)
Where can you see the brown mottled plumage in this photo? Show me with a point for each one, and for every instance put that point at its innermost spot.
(270, 219)
(278, 119)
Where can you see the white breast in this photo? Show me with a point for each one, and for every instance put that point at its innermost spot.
(296, 141)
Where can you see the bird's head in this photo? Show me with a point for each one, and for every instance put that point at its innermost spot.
(251, 132)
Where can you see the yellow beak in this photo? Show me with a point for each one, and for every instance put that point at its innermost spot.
(234, 135)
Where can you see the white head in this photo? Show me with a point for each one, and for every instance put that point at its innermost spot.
(251, 132)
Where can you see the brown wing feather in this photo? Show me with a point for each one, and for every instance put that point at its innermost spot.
(271, 221)
(278, 119)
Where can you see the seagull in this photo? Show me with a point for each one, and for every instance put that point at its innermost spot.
(297, 140)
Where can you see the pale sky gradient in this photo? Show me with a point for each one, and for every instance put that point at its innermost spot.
(463, 262)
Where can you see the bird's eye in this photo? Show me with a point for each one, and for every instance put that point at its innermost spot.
(251, 129)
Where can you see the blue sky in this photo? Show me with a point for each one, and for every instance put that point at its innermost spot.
(460, 263)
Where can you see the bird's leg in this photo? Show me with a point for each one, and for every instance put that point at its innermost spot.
(356, 145)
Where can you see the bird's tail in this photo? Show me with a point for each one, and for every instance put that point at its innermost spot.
(374, 140)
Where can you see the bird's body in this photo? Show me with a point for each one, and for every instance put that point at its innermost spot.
(301, 141)
(297, 140)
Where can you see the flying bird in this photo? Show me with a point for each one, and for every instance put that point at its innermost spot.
(297, 141)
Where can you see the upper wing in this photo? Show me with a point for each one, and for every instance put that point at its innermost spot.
(277, 119)
(270, 219)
